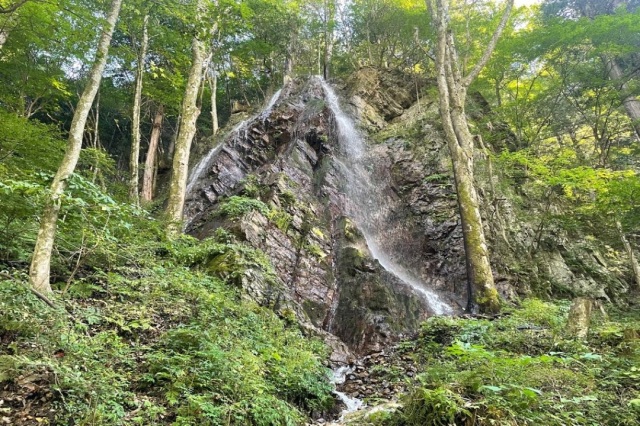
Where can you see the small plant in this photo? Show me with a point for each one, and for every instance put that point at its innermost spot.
(280, 218)
(236, 206)
(434, 407)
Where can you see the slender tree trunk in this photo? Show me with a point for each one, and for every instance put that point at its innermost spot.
(290, 60)
(150, 162)
(96, 138)
(328, 39)
(190, 113)
(635, 267)
(41, 261)
(135, 126)
(213, 85)
(452, 88)
(4, 35)
(629, 100)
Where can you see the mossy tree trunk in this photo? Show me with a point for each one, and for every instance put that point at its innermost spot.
(188, 116)
(580, 317)
(134, 178)
(41, 261)
(452, 88)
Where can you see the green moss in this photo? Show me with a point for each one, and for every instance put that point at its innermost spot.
(318, 233)
(315, 250)
(315, 311)
(351, 233)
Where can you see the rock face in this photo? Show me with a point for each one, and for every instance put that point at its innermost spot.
(287, 158)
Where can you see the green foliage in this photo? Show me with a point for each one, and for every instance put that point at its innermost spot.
(236, 206)
(281, 218)
(91, 219)
(522, 369)
(156, 336)
(437, 407)
(252, 187)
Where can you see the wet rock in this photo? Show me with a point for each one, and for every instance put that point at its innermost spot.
(324, 271)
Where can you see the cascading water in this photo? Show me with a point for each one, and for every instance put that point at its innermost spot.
(367, 204)
(351, 404)
(206, 160)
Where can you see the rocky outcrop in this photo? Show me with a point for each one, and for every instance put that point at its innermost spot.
(529, 255)
(287, 161)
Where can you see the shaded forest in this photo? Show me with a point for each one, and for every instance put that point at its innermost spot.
(301, 212)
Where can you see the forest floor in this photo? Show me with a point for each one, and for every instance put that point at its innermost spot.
(520, 369)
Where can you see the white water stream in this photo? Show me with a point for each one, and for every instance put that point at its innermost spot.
(351, 404)
(205, 162)
(367, 203)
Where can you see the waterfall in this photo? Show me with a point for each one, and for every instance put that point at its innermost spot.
(367, 204)
(204, 163)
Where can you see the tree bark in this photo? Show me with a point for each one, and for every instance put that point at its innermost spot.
(328, 39)
(41, 261)
(134, 178)
(580, 317)
(452, 88)
(213, 85)
(635, 267)
(150, 162)
(4, 35)
(289, 61)
(189, 116)
(629, 100)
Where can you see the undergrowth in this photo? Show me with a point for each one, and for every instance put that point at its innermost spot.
(159, 342)
(522, 369)
(143, 330)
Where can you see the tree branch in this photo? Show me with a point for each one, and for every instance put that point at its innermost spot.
(13, 7)
(491, 47)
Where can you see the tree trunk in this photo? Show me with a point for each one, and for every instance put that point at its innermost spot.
(189, 113)
(580, 317)
(328, 42)
(4, 35)
(135, 126)
(635, 267)
(290, 60)
(213, 85)
(41, 261)
(150, 162)
(96, 138)
(452, 88)
(629, 100)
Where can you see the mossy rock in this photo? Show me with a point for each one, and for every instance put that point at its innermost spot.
(315, 311)
(354, 260)
(351, 232)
